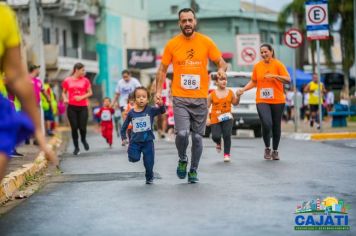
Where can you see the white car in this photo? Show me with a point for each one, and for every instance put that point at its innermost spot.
(245, 114)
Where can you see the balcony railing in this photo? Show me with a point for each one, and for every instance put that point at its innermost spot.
(77, 53)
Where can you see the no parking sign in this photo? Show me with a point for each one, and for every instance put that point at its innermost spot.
(293, 38)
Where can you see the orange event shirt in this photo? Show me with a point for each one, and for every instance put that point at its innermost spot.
(220, 106)
(269, 90)
(190, 62)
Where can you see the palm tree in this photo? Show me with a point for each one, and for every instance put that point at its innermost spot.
(296, 10)
(338, 10)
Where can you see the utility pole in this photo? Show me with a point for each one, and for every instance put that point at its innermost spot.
(36, 36)
(355, 37)
(255, 31)
(37, 41)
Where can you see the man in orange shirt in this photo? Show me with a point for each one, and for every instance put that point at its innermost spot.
(189, 53)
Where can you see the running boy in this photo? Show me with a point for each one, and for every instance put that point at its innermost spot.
(106, 114)
(221, 119)
(142, 137)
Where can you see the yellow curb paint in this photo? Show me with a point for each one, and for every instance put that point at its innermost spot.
(13, 181)
(330, 136)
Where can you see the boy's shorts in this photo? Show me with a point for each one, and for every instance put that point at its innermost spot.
(48, 115)
(15, 127)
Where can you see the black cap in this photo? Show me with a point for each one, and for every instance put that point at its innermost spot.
(33, 67)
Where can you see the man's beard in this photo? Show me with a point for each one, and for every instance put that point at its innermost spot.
(187, 34)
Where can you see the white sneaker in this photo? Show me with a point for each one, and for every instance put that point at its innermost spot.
(227, 158)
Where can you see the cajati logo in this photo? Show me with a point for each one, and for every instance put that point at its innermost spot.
(327, 214)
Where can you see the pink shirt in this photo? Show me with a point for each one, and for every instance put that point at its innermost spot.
(37, 86)
(76, 87)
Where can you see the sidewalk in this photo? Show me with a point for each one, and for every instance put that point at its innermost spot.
(20, 169)
(306, 132)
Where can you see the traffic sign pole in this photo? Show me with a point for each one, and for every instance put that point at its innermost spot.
(319, 86)
(293, 38)
(317, 20)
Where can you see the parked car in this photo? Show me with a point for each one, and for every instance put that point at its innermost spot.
(335, 80)
(245, 114)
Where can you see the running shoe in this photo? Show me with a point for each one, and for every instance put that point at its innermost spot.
(182, 169)
(86, 145)
(193, 177)
(227, 158)
(267, 155)
(16, 154)
(275, 155)
(218, 148)
(50, 133)
(76, 151)
(149, 181)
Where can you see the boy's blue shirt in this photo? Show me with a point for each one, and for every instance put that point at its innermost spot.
(145, 135)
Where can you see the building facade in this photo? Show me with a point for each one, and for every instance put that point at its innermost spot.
(123, 25)
(56, 35)
(223, 21)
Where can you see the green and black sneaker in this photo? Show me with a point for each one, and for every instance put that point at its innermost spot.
(193, 177)
(182, 169)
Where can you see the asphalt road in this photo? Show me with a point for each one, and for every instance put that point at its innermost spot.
(101, 193)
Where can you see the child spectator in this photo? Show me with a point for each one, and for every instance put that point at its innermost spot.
(130, 105)
(170, 121)
(117, 119)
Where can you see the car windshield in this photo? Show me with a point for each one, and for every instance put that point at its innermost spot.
(237, 81)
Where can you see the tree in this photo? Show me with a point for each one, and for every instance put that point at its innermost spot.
(296, 10)
(338, 10)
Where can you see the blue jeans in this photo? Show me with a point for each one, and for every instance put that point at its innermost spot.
(147, 148)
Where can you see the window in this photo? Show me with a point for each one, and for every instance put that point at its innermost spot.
(75, 39)
(281, 38)
(46, 34)
(236, 30)
(174, 9)
(57, 36)
(272, 38)
(264, 34)
(64, 36)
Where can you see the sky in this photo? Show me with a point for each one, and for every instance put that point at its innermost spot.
(276, 5)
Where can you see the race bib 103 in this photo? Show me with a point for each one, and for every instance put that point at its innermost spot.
(267, 93)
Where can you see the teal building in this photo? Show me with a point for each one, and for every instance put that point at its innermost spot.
(222, 21)
(122, 25)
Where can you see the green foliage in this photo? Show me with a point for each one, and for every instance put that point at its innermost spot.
(338, 9)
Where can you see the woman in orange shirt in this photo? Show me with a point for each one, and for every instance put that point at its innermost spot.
(268, 77)
(221, 119)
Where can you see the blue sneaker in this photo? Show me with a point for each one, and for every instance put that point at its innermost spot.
(182, 169)
(193, 177)
(149, 181)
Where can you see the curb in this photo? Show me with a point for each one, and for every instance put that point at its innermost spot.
(320, 136)
(331, 136)
(13, 181)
